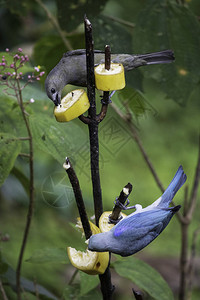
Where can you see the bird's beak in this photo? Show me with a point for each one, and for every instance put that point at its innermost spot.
(56, 99)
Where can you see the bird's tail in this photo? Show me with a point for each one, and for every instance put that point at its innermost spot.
(176, 183)
(162, 57)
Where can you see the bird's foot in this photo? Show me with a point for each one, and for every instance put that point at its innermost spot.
(109, 101)
(123, 206)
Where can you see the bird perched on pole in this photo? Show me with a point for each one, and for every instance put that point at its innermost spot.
(140, 228)
(71, 69)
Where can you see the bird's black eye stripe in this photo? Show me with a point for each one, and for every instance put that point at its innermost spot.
(53, 90)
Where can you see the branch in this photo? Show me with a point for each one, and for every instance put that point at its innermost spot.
(120, 21)
(31, 191)
(122, 199)
(193, 198)
(192, 261)
(3, 291)
(137, 294)
(106, 98)
(106, 285)
(128, 119)
(78, 196)
(93, 124)
(55, 23)
(135, 136)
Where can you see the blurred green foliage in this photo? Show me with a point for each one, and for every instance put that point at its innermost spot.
(169, 131)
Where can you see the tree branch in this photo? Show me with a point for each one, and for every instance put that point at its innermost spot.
(122, 199)
(193, 198)
(55, 23)
(78, 196)
(31, 191)
(106, 285)
(3, 291)
(93, 124)
(135, 136)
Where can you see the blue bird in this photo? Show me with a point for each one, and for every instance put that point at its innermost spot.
(140, 228)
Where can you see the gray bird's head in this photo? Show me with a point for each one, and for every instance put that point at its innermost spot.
(54, 85)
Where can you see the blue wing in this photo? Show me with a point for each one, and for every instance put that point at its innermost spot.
(140, 224)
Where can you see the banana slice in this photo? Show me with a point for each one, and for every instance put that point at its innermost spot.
(72, 106)
(90, 262)
(104, 224)
(109, 80)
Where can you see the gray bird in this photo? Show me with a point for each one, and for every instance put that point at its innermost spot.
(71, 69)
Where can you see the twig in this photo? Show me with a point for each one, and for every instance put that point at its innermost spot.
(186, 267)
(3, 291)
(193, 198)
(55, 23)
(24, 154)
(73, 277)
(122, 199)
(121, 21)
(106, 99)
(106, 285)
(128, 119)
(183, 261)
(139, 143)
(191, 263)
(93, 125)
(78, 196)
(31, 191)
(137, 294)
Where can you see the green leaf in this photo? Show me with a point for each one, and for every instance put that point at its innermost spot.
(9, 277)
(10, 116)
(49, 255)
(22, 178)
(34, 91)
(49, 49)
(3, 265)
(87, 283)
(108, 32)
(10, 147)
(163, 25)
(73, 292)
(135, 101)
(71, 14)
(145, 277)
(57, 139)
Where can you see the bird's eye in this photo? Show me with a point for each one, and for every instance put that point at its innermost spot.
(53, 90)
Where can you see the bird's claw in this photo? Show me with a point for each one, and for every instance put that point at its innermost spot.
(110, 101)
(123, 206)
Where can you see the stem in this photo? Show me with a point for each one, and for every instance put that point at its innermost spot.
(128, 119)
(183, 261)
(31, 192)
(93, 125)
(122, 199)
(120, 21)
(3, 291)
(139, 143)
(193, 198)
(106, 285)
(73, 277)
(55, 23)
(78, 196)
(192, 262)
(137, 294)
